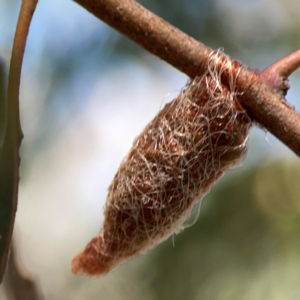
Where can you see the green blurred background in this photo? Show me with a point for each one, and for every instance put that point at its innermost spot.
(86, 93)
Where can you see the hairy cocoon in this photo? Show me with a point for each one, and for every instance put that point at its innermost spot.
(170, 167)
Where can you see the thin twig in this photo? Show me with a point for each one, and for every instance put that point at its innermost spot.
(263, 102)
(285, 66)
(278, 72)
(9, 154)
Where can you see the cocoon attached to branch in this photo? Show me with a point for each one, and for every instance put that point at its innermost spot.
(170, 167)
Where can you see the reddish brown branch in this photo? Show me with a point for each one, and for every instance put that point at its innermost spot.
(261, 97)
(267, 106)
(152, 33)
(277, 73)
(285, 66)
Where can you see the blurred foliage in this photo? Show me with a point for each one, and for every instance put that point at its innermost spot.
(245, 244)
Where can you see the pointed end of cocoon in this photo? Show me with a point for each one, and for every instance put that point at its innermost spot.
(90, 261)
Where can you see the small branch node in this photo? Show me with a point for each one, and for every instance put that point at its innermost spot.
(277, 74)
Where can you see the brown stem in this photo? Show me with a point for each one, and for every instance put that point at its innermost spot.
(26, 13)
(285, 66)
(268, 108)
(278, 73)
(152, 33)
(262, 101)
(9, 153)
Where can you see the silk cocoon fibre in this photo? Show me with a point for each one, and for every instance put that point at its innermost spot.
(172, 164)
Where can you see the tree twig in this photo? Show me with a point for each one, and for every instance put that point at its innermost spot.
(278, 72)
(261, 98)
(9, 153)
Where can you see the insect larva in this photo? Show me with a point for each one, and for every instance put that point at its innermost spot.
(170, 167)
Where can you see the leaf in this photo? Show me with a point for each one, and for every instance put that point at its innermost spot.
(3, 105)
(8, 176)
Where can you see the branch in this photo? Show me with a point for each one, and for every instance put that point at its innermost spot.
(261, 97)
(278, 72)
(9, 153)
(152, 33)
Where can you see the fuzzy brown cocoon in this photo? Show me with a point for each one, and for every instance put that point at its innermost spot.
(170, 167)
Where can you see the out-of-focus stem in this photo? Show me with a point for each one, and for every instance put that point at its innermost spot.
(9, 153)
